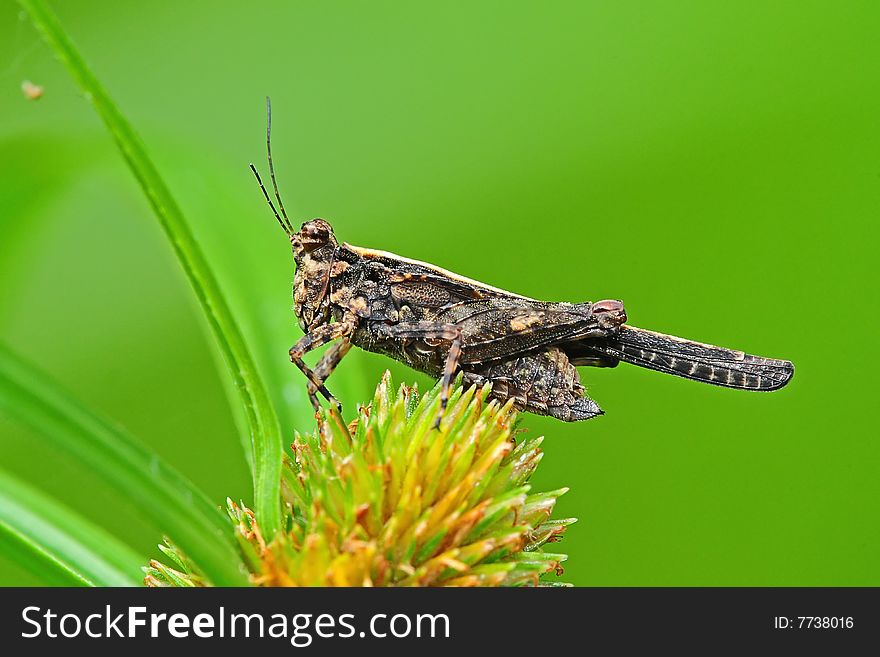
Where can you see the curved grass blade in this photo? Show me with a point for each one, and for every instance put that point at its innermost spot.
(155, 488)
(33, 559)
(264, 449)
(57, 544)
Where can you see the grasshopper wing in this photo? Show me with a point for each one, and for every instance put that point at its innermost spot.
(500, 328)
(692, 360)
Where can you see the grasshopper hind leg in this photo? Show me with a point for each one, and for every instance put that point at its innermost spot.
(544, 383)
(576, 410)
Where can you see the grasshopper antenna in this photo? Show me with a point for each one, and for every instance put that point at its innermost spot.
(284, 227)
(284, 223)
(271, 166)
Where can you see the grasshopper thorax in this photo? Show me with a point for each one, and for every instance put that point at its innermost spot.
(314, 250)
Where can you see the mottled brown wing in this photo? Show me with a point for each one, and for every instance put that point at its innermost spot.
(495, 324)
(685, 358)
(502, 328)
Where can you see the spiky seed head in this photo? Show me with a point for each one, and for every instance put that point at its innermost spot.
(387, 500)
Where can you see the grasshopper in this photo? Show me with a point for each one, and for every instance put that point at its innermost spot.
(442, 324)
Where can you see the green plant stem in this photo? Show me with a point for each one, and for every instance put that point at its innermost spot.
(154, 487)
(36, 560)
(265, 440)
(60, 546)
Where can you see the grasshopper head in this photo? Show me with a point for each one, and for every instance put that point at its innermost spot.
(311, 237)
(314, 249)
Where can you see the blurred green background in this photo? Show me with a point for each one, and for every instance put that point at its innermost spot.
(716, 167)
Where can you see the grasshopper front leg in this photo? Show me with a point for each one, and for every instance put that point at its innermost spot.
(326, 365)
(433, 331)
(314, 339)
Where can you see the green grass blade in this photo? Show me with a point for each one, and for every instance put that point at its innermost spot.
(265, 440)
(35, 560)
(59, 545)
(159, 491)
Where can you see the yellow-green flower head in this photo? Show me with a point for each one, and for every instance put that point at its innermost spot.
(389, 501)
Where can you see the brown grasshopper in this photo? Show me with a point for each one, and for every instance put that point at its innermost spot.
(441, 323)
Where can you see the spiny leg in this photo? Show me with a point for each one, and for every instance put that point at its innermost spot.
(449, 370)
(312, 340)
(434, 331)
(326, 365)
